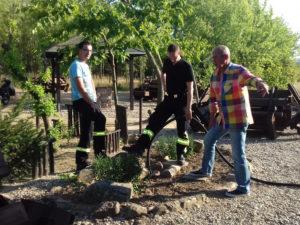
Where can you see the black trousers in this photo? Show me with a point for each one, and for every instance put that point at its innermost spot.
(158, 118)
(87, 115)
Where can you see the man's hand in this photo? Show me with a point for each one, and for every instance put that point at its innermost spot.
(95, 107)
(188, 113)
(262, 88)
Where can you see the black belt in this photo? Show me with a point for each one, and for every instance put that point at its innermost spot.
(175, 96)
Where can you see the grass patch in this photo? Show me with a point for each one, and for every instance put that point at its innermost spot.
(122, 84)
(121, 168)
(166, 146)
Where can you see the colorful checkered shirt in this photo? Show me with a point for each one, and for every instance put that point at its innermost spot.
(229, 95)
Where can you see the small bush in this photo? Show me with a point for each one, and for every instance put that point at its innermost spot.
(121, 168)
(20, 141)
(166, 146)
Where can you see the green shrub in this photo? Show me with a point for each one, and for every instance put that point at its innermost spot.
(19, 142)
(166, 145)
(121, 168)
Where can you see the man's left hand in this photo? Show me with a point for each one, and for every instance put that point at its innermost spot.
(262, 88)
(188, 113)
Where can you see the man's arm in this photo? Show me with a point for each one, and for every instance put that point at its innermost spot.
(213, 106)
(163, 81)
(83, 92)
(248, 79)
(190, 91)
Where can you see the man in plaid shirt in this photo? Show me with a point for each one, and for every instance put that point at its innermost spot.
(230, 112)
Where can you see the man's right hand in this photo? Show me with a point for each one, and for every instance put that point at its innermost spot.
(95, 107)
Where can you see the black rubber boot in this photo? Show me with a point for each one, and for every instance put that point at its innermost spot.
(180, 155)
(81, 161)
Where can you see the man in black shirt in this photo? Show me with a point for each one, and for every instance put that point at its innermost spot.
(177, 79)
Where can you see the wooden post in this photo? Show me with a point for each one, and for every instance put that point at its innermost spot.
(131, 84)
(140, 115)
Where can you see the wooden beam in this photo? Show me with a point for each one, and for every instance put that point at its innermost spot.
(131, 86)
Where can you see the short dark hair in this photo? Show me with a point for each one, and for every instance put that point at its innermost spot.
(83, 43)
(173, 48)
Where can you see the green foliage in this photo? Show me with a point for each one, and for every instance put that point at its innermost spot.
(166, 146)
(19, 142)
(59, 132)
(69, 177)
(121, 168)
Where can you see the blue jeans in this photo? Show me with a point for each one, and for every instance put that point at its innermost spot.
(238, 139)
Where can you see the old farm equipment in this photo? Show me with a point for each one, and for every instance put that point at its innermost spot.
(272, 113)
(148, 88)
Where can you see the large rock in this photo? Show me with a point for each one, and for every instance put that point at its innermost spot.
(86, 176)
(157, 166)
(171, 172)
(144, 174)
(198, 146)
(107, 209)
(108, 191)
(132, 210)
(188, 203)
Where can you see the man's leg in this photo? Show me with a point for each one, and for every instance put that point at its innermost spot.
(156, 123)
(183, 139)
(210, 141)
(99, 133)
(241, 169)
(83, 147)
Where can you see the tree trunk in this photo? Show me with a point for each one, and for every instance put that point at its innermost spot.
(160, 88)
(114, 78)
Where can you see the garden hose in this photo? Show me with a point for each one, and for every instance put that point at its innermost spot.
(273, 183)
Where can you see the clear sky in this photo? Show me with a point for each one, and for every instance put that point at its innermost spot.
(289, 10)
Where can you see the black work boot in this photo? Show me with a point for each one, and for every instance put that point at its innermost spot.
(180, 158)
(81, 161)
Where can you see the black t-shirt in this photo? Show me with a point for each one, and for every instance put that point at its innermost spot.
(177, 75)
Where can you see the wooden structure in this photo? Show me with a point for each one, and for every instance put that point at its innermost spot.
(132, 52)
(112, 142)
(122, 122)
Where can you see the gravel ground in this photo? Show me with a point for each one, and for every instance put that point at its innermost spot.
(272, 160)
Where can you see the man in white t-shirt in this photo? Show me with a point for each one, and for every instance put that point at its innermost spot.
(84, 100)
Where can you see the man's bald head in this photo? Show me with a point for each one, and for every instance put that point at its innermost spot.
(221, 55)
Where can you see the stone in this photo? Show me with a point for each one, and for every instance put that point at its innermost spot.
(63, 204)
(56, 190)
(171, 172)
(155, 174)
(174, 206)
(86, 176)
(107, 209)
(167, 164)
(202, 198)
(107, 191)
(188, 203)
(157, 166)
(198, 146)
(133, 210)
(159, 210)
(144, 174)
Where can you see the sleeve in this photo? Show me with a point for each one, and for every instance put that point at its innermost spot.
(75, 70)
(213, 103)
(189, 74)
(246, 78)
(164, 68)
